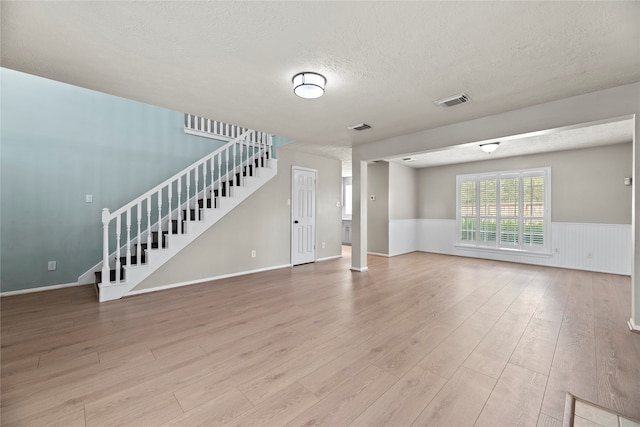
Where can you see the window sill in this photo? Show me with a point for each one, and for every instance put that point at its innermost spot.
(539, 254)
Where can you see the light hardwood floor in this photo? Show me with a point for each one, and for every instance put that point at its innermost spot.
(419, 339)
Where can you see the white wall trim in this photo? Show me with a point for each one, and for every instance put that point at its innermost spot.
(378, 254)
(608, 244)
(327, 258)
(633, 327)
(403, 236)
(359, 270)
(206, 279)
(40, 289)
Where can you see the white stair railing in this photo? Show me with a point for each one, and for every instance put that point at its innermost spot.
(212, 176)
(201, 126)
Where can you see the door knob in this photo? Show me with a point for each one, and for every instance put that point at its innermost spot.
(295, 222)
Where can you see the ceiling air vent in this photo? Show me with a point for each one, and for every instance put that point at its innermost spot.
(361, 126)
(458, 99)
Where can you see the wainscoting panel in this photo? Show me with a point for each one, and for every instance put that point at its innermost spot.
(403, 237)
(594, 247)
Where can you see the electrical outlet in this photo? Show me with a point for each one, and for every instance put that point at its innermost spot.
(51, 265)
(88, 198)
(253, 253)
(589, 255)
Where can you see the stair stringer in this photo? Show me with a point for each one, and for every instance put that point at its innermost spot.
(135, 274)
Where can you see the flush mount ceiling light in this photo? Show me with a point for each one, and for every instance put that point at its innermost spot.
(490, 147)
(309, 85)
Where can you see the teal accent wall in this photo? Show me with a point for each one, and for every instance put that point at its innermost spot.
(59, 143)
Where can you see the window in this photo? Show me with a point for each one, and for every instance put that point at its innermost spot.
(505, 210)
(346, 202)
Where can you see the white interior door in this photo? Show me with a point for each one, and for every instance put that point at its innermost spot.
(303, 216)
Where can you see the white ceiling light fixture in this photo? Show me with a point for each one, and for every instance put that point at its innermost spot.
(309, 85)
(490, 147)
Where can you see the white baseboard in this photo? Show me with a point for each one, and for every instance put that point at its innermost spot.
(207, 279)
(327, 258)
(359, 270)
(633, 327)
(403, 253)
(378, 254)
(39, 289)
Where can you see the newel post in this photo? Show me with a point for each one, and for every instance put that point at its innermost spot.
(106, 276)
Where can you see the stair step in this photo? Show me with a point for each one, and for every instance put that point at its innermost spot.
(112, 275)
(174, 226)
(192, 216)
(201, 202)
(134, 259)
(154, 241)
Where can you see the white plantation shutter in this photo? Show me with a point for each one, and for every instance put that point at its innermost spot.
(505, 210)
(488, 210)
(467, 210)
(509, 210)
(534, 210)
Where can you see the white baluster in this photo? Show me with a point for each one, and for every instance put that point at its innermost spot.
(219, 175)
(187, 213)
(160, 219)
(169, 196)
(211, 165)
(196, 207)
(106, 278)
(128, 237)
(118, 230)
(180, 204)
(139, 246)
(204, 185)
(242, 179)
(148, 224)
(208, 125)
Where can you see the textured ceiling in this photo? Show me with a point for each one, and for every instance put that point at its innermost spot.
(616, 132)
(385, 62)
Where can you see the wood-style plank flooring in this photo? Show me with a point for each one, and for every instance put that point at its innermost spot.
(419, 339)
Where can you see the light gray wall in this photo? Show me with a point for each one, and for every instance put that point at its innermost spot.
(587, 184)
(403, 192)
(261, 223)
(378, 227)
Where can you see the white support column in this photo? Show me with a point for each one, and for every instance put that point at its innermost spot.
(359, 230)
(148, 224)
(170, 205)
(139, 246)
(160, 219)
(118, 231)
(211, 165)
(634, 322)
(179, 204)
(128, 237)
(105, 246)
(188, 183)
(196, 206)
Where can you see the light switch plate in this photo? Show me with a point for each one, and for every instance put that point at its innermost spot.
(88, 198)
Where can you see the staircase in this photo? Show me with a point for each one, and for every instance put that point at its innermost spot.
(145, 233)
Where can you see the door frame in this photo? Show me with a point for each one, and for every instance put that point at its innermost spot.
(315, 213)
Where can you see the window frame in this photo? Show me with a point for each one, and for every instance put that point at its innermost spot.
(479, 214)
